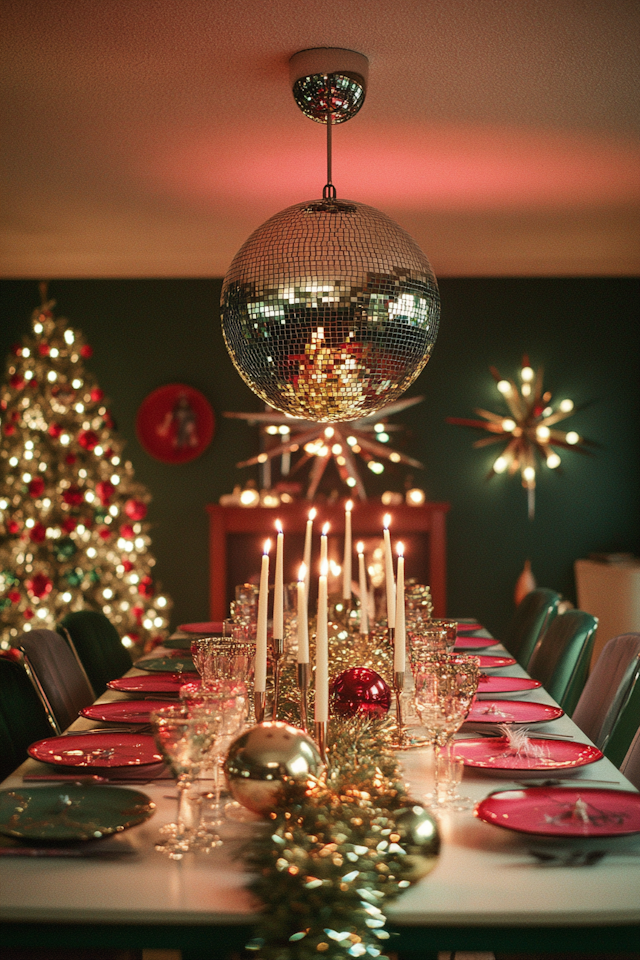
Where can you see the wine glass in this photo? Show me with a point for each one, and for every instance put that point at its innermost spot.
(427, 642)
(184, 741)
(445, 687)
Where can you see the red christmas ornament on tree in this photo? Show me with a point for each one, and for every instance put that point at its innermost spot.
(86, 351)
(126, 531)
(360, 690)
(73, 496)
(104, 533)
(70, 459)
(69, 524)
(88, 439)
(9, 429)
(13, 527)
(28, 614)
(39, 585)
(38, 533)
(54, 430)
(127, 566)
(105, 490)
(135, 509)
(14, 596)
(36, 487)
(145, 587)
(17, 382)
(44, 349)
(97, 395)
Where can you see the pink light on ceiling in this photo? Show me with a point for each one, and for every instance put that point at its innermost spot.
(441, 168)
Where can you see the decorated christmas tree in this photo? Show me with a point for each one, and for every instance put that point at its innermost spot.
(73, 528)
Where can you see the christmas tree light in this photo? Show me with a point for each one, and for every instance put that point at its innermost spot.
(73, 528)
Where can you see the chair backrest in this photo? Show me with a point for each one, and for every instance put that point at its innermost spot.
(561, 657)
(607, 688)
(626, 725)
(23, 718)
(532, 617)
(58, 672)
(98, 645)
(630, 766)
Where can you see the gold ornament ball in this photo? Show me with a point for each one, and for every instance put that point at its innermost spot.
(330, 310)
(260, 760)
(418, 832)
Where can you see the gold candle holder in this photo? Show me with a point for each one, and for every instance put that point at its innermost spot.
(303, 687)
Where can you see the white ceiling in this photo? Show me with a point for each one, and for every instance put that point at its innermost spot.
(150, 137)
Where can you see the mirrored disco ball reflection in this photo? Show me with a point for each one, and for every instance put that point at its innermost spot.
(330, 310)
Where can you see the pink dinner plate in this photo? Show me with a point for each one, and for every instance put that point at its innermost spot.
(158, 683)
(468, 627)
(513, 711)
(563, 811)
(97, 750)
(488, 662)
(490, 685)
(475, 643)
(123, 711)
(494, 753)
(208, 626)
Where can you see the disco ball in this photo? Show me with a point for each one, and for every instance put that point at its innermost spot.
(330, 310)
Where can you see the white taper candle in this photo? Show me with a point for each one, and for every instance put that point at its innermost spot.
(400, 634)
(321, 714)
(346, 563)
(303, 617)
(388, 567)
(364, 595)
(260, 672)
(278, 591)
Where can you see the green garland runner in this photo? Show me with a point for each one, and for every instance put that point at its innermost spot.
(337, 851)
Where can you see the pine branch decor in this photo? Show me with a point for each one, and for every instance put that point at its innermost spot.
(337, 851)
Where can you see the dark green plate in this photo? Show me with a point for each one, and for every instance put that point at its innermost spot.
(71, 811)
(172, 664)
(178, 643)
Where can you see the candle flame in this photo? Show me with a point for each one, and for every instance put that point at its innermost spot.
(336, 569)
(325, 529)
(324, 568)
(267, 546)
(278, 526)
(313, 513)
(348, 506)
(400, 549)
(360, 546)
(386, 520)
(302, 572)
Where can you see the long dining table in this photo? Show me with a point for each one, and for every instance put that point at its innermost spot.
(488, 891)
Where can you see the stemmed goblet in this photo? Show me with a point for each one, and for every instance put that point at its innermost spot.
(445, 687)
(184, 741)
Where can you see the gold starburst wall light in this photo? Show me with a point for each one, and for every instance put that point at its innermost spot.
(529, 430)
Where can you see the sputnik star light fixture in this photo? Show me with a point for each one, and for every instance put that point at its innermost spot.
(343, 444)
(529, 430)
(330, 310)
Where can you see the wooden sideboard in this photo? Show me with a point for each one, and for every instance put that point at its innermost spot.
(236, 536)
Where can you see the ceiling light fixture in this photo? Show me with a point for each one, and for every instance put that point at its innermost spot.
(330, 310)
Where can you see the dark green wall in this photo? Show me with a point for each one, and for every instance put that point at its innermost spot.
(146, 333)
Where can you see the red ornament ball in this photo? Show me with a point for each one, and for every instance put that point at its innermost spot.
(126, 565)
(14, 596)
(86, 351)
(145, 587)
(97, 395)
(13, 527)
(70, 459)
(360, 690)
(105, 490)
(36, 487)
(17, 381)
(73, 496)
(138, 612)
(135, 509)
(54, 430)
(88, 439)
(104, 533)
(38, 533)
(39, 585)
(44, 349)
(69, 524)
(126, 531)
(9, 429)
(28, 614)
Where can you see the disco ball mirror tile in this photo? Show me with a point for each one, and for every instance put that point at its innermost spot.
(330, 310)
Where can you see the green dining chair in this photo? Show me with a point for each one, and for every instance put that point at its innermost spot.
(60, 675)
(98, 646)
(609, 688)
(560, 660)
(532, 617)
(23, 718)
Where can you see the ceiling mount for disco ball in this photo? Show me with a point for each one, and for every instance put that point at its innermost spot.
(330, 310)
